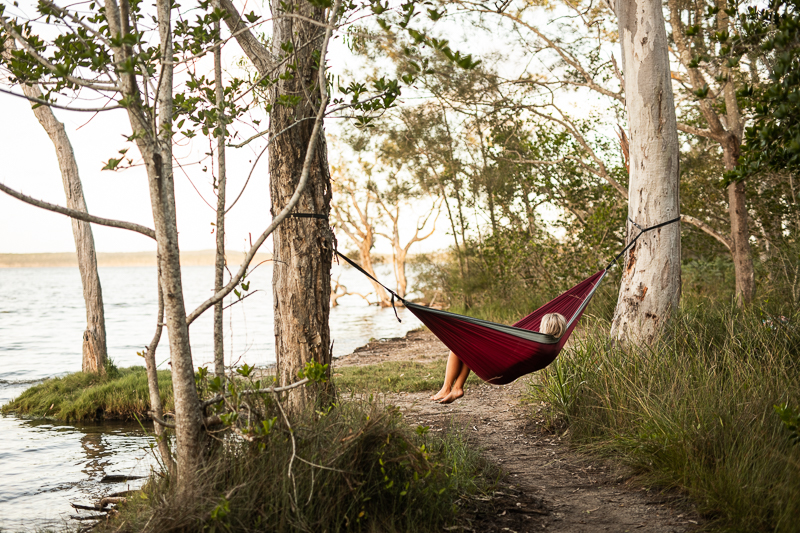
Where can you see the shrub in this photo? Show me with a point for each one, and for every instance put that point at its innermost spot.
(356, 466)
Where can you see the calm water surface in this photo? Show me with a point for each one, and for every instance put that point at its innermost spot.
(44, 465)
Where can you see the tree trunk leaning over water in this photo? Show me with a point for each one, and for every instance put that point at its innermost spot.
(651, 280)
(95, 351)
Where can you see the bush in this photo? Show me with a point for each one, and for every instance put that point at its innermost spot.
(696, 411)
(356, 466)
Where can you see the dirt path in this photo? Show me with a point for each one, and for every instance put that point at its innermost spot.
(547, 487)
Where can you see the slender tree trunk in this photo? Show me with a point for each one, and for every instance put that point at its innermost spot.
(737, 201)
(651, 280)
(219, 258)
(95, 351)
(454, 229)
(400, 270)
(152, 382)
(463, 224)
(364, 249)
(156, 150)
(303, 247)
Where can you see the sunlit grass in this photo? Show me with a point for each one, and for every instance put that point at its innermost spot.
(694, 412)
(394, 376)
(122, 394)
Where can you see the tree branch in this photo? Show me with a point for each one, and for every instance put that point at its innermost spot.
(220, 397)
(252, 47)
(696, 222)
(685, 128)
(45, 63)
(80, 215)
(301, 185)
(57, 106)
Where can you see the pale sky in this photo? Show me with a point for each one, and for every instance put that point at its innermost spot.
(29, 165)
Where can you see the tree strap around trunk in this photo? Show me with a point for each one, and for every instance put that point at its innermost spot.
(641, 232)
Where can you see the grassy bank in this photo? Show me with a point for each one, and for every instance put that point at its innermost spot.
(395, 376)
(122, 394)
(358, 466)
(695, 412)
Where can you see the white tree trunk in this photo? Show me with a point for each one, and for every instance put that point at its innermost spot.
(94, 338)
(651, 280)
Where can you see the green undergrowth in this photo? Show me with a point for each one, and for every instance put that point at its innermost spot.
(357, 466)
(711, 410)
(393, 376)
(123, 393)
(120, 394)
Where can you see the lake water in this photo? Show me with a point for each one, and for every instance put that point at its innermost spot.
(44, 465)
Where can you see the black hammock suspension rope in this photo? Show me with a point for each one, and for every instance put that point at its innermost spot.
(358, 267)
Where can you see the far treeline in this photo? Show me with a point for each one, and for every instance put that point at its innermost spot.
(545, 137)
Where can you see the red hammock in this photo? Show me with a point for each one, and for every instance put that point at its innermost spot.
(500, 354)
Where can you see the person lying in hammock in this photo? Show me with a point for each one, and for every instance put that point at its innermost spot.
(456, 373)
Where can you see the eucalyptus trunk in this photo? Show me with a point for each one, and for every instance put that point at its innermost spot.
(95, 352)
(303, 247)
(651, 280)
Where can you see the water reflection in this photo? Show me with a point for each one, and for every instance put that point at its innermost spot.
(45, 466)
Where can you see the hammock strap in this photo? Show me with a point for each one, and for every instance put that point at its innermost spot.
(354, 265)
(370, 276)
(641, 232)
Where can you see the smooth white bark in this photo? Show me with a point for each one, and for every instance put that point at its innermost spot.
(651, 280)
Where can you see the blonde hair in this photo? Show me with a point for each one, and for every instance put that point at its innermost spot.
(553, 324)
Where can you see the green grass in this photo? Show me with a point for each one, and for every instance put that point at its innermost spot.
(695, 412)
(394, 376)
(122, 394)
(358, 467)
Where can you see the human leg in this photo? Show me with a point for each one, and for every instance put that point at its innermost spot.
(457, 390)
(451, 373)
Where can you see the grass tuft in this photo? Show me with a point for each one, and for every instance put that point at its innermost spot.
(121, 394)
(696, 411)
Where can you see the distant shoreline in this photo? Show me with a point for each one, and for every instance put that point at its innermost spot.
(126, 259)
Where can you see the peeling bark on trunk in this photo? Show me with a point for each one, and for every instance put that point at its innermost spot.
(303, 247)
(95, 351)
(651, 279)
(740, 235)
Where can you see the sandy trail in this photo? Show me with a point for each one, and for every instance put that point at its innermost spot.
(547, 486)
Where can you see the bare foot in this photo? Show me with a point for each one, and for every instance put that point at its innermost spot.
(454, 395)
(439, 395)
